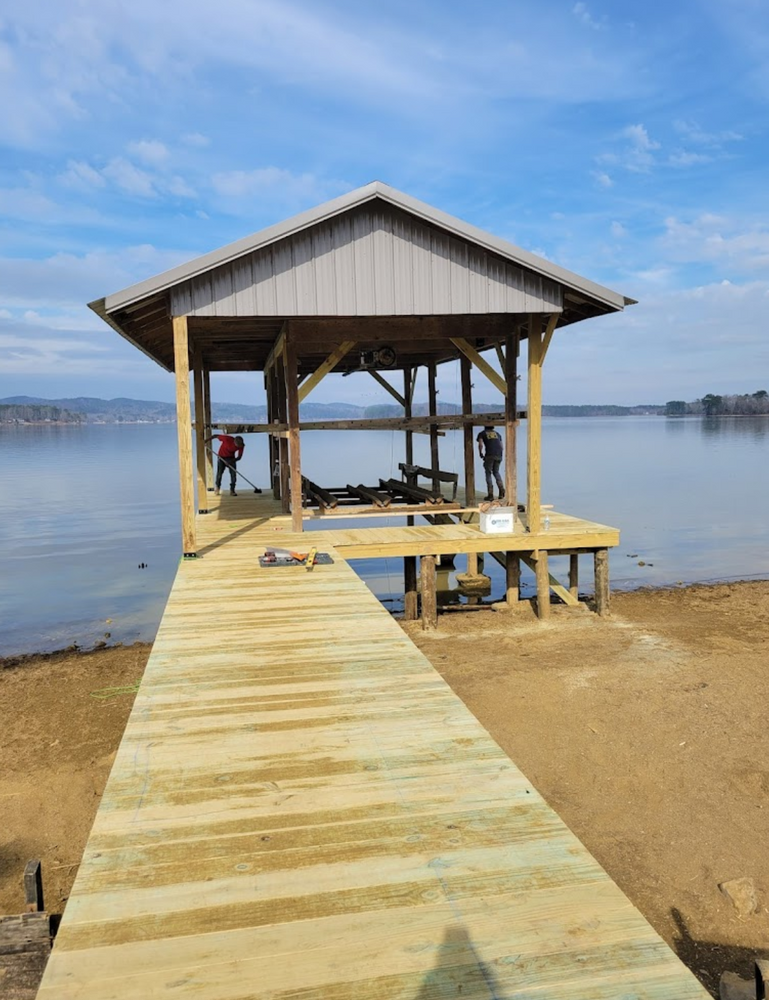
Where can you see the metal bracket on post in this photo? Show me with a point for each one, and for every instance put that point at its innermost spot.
(189, 555)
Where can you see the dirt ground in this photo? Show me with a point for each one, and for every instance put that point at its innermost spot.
(644, 730)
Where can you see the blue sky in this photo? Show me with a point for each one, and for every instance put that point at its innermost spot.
(627, 142)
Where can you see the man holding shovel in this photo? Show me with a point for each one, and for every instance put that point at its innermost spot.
(230, 452)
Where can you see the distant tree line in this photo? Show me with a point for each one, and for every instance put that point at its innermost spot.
(36, 413)
(712, 405)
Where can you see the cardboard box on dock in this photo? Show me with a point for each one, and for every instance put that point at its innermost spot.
(498, 521)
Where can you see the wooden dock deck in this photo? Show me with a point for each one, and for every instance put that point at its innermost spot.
(301, 808)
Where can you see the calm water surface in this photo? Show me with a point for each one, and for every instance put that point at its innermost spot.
(81, 508)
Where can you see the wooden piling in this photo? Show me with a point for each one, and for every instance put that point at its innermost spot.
(429, 593)
(410, 588)
(200, 429)
(468, 433)
(207, 429)
(543, 585)
(432, 393)
(574, 575)
(601, 563)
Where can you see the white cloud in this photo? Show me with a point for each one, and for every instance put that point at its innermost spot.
(130, 178)
(196, 139)
(718, 239)
(149, 151)
(684, 158)
(603, 179)
(618, 230)
(692, 132)
(82, 175)
(581, 11)
(238, 190)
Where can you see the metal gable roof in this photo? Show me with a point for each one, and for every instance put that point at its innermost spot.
(338, 206)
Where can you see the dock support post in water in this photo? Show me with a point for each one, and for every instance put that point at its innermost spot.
(429, 594)
(466, 368)
(574, 575)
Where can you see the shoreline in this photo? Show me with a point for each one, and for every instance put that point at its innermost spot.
(10, 661)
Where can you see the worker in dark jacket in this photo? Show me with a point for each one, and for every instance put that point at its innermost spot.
(230, 452)
(490, 450)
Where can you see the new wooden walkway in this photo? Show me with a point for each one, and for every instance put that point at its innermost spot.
(301, 808)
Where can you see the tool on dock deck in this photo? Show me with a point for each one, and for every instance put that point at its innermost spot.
(234, 469)
(286, 557)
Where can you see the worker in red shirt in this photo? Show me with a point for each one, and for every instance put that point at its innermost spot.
(230, 452)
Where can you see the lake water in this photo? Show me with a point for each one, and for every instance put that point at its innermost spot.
(82, 508)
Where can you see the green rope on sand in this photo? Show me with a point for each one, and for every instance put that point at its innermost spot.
(113, 692)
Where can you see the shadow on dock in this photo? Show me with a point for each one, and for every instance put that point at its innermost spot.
(459, 970)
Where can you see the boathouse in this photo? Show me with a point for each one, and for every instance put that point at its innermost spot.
(301, 808)
(378, 285)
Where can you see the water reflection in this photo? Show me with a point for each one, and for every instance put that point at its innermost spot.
(756, 427)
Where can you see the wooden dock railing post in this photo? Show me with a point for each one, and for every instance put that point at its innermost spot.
(184, 433)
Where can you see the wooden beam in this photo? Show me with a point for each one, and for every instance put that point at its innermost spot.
(429, 595)
(534, 425)
(200, 429)
(551, 324)
(294, 454)
(324, 368)
(510, 369)
(574, 576)
(447, 421)
(207, 428)
(500, 355)
(386, 385)
(481, 363)
(184, 434)
(601, 561)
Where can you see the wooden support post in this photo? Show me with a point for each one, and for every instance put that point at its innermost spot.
(292, 406)
(410, 588)
(429, 594)
(574, 575)
(283, 467)
(543, 586)
(407, 394)
(534, 425)
(272, 445)
(601, 560)
(512, 577)
(468, 432)
(184, 434)
(433, 410)
(200, 430)
(207, 429)
(511, 418)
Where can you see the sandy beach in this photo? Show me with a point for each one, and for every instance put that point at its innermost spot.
(644, 730)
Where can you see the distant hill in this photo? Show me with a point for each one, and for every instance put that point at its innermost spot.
(37, 413)
(125, 411)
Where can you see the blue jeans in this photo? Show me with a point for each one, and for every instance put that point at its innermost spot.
(491, 468)
(221, 465)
